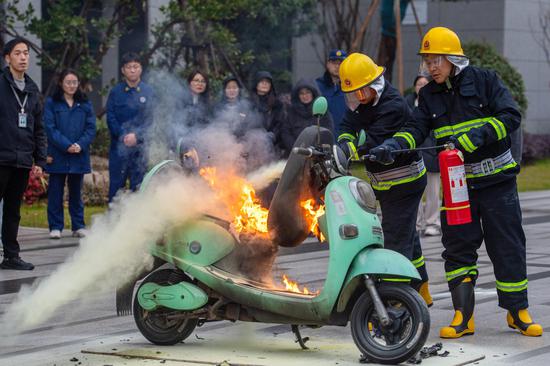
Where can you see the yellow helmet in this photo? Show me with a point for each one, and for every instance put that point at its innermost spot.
(441, 41)
(357, 71)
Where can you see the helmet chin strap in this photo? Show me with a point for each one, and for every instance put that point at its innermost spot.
(448, 78)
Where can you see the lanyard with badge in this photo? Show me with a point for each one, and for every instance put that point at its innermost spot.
(22, 121)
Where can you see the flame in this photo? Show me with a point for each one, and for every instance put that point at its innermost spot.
(312, 217)
(240, 198)
(293, 286)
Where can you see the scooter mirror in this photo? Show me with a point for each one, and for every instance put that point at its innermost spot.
(320, 106)
(362, 138)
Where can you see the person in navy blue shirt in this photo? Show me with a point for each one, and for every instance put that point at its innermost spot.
(128, 117)
(70, 124)
(329, 86)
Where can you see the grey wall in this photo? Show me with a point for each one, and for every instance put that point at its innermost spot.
(511, 26)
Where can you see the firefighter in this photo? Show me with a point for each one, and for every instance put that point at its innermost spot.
(375, 106)
(471, 107)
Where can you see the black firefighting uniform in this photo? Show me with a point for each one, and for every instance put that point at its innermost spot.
(478, 110)
(398, 186)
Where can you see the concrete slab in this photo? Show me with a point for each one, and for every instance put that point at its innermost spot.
(91, 324)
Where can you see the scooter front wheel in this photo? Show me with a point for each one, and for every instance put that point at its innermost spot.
(156, 325)
(403, 338)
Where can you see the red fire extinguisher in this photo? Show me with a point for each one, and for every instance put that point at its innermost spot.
(455, 189)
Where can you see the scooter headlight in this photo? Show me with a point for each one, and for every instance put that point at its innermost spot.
(363, 194)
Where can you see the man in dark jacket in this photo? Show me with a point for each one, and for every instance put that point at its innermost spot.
(329, 86)
(375, 106)
(473, 109)
(128, 117)
(22, 143)
(300, 114)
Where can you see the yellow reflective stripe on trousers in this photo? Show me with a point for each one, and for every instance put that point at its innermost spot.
(512, 286)
(346, 136)
(460, 272)
(462, 127)
(466, 143)
(508, 166)
(418, 262)
(499, 128)
(384, 186)
(408, 137)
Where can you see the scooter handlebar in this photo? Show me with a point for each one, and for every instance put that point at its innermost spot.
(307, 151)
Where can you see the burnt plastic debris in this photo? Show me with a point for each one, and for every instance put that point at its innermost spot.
(427, 352)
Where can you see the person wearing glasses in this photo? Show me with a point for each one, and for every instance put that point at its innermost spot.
(70, 124)
(128, 118)
(471, 107)
(196, 105)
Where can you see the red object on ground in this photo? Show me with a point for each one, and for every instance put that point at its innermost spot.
(455, 190)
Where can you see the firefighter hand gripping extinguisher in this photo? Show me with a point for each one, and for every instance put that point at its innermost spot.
(455, 190)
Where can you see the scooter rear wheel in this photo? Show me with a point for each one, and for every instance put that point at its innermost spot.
(406, 334)
(154, 325)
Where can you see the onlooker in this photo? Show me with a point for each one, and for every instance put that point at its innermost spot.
(128, 117)
(300, 114)
(428, 219)
(70, 126)
(270, 108)
(233, 109)
(197, 105)
(329, 85)
(22, 142)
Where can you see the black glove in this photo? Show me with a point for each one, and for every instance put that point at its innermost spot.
(384, 153)
(453, 140)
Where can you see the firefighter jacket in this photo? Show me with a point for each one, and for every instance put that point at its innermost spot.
(21, 146)
(478, 110)
(381, 121)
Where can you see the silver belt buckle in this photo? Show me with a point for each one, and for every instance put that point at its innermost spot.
(487, 166)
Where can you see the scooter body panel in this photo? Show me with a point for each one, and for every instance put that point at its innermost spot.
(197, 242)
(180, 296)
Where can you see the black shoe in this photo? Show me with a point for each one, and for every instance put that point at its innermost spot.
(17, 264)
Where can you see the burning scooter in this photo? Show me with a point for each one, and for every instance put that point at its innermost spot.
(366, 285)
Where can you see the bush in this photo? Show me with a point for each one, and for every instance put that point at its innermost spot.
(535, 147)
(100, 145)
(484, 55)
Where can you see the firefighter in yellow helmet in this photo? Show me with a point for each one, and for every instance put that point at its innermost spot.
(471, 107)
(375, 106)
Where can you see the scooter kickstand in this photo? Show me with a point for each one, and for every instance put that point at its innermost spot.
(301, 341)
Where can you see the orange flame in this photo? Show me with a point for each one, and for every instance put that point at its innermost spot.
(312, 217)
(293, 286)
(240, 198)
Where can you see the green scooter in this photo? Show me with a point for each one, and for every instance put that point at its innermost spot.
(366, 285)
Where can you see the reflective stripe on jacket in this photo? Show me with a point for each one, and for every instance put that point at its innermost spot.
(478, 110)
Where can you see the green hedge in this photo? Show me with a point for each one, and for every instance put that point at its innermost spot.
(484, 55)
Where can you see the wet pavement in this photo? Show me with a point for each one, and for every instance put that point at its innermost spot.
(89, 332)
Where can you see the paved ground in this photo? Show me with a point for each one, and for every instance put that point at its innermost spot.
(92, 334)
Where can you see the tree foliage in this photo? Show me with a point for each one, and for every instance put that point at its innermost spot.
(222, 37)
(74, 34)
(484, 55)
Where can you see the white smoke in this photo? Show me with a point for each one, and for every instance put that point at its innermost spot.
(117, 245)
(114, 251)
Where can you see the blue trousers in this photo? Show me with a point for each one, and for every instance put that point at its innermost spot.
(56, 187)
(123, 167)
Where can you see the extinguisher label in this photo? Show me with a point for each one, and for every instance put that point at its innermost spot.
(457, 181)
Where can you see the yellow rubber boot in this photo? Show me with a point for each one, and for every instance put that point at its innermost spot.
(463, 302)
(424, 291)
(521, 320)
